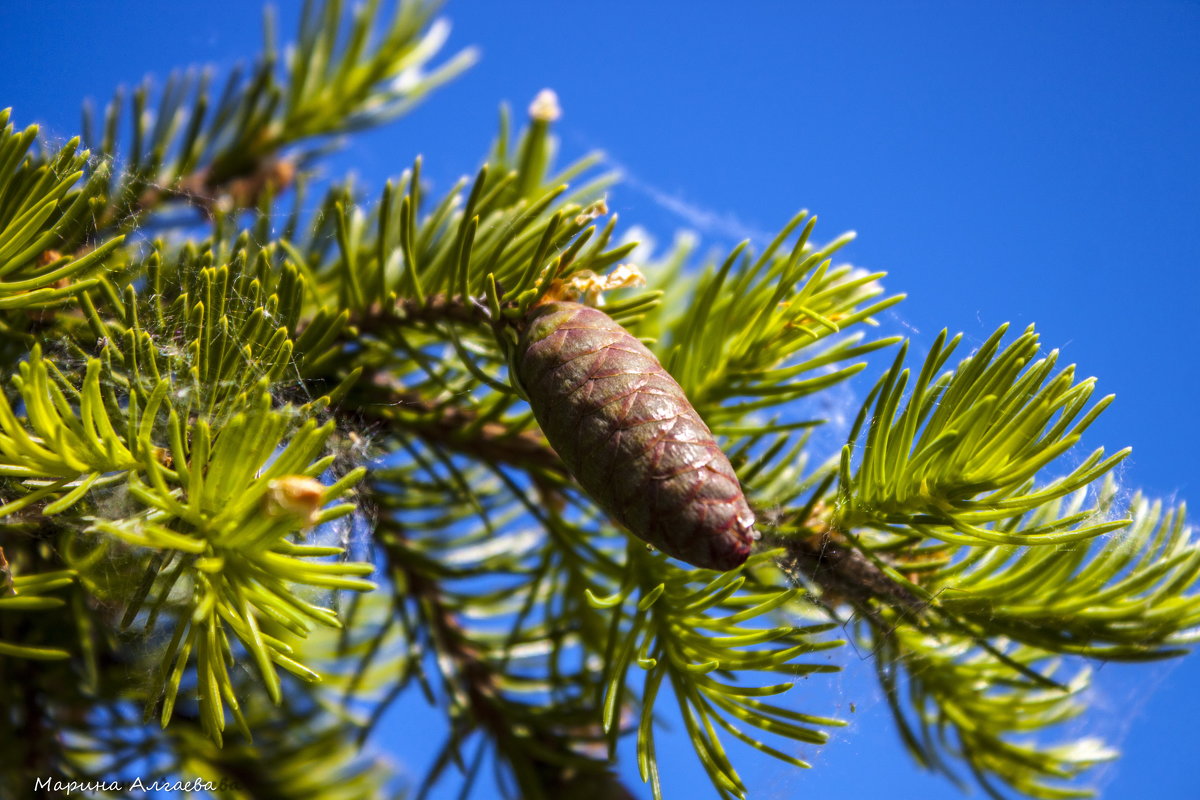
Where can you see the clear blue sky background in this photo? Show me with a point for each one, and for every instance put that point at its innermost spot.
(1021, 161)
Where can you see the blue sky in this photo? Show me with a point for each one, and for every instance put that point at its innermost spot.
(1023, 162)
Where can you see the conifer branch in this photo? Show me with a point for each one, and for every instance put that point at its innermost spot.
(41, 204)
(183, 437)
(222, 153)
(546, 751)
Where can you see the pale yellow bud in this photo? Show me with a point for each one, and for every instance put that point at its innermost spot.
(593, 211)
(296, 495)
(544, 107)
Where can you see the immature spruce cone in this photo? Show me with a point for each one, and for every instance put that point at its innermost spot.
(627, 432)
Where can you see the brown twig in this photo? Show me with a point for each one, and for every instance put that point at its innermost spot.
(439, 308)
(459, 428)
(205, 190)
(821, 553)
(843, 573)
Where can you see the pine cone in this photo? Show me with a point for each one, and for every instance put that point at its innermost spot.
(628, 434)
